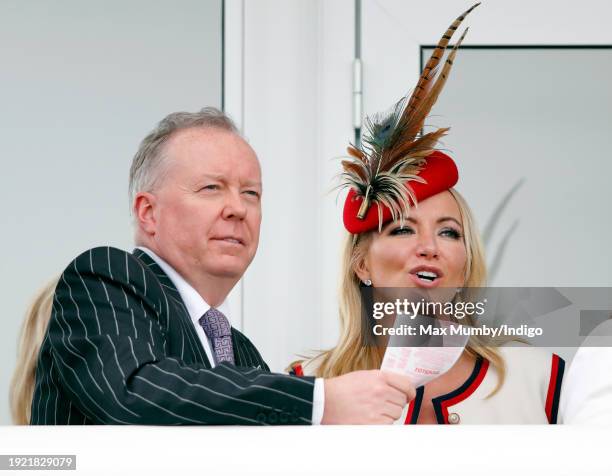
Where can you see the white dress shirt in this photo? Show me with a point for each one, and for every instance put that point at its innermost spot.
(196, 306)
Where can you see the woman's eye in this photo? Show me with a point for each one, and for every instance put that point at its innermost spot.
(451, 233)
(402, 230)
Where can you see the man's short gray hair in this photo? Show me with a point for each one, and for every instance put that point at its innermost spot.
(146, 168)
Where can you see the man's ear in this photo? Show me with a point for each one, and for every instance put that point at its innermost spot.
(145, 204)
(362, 269)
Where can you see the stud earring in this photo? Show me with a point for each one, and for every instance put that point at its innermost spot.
(368, 282)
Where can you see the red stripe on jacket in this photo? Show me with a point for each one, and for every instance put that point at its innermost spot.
(552, 386)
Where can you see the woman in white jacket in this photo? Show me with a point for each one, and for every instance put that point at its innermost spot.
(394, 243)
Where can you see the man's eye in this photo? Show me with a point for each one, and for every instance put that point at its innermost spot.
(211, 186)
(450, 233)
(255, 193)
(402, 230)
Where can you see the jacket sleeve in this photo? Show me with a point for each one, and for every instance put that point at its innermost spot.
(108, 336)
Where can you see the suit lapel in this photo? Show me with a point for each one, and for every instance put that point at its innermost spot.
(239, 357)
(245, 353)
(189, 338)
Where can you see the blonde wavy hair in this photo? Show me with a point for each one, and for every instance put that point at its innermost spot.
(350, 354)
(32, 334)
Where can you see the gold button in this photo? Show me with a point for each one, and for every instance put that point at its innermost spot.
(454, 419)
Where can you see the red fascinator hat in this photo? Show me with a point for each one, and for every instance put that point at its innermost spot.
(439, 174)
(397, 164)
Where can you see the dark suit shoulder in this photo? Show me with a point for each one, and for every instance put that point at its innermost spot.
(105, 274)
(115, 265)
(105, 259)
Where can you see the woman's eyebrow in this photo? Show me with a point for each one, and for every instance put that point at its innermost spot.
(438, 221)
(443, 219)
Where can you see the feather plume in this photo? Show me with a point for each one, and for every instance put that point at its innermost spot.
(355, 169)
(356, 153)
(421, 147)
(434, 59)
(394, 149)
(422, 110)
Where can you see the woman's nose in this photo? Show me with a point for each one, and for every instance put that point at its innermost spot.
(427, 247)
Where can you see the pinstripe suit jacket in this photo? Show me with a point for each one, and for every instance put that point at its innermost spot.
(121, 349)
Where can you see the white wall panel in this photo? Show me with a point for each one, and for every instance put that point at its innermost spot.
(297, 90)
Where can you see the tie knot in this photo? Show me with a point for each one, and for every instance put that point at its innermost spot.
(215, 324)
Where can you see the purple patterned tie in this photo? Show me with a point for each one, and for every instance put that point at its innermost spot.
(218, 330)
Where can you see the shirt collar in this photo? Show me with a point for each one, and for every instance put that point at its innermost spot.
(195, 304)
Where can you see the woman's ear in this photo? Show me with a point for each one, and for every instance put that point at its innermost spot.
(362, 268)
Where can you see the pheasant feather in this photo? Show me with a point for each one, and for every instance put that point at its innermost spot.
(394, 148)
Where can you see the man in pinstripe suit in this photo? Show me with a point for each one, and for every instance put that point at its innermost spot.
(145, 337)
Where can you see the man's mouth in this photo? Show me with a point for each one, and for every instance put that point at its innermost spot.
(230, 239)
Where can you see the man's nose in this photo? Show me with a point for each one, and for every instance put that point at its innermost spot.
(234, 207)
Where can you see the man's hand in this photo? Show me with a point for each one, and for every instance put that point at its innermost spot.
(366, 397)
